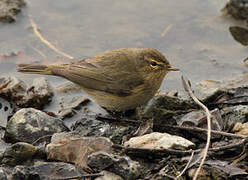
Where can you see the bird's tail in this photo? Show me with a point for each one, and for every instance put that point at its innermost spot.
(36, 69)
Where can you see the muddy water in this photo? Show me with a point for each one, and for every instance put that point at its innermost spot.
(192, 34)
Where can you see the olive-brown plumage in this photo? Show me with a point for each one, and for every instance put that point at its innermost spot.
(117, 80)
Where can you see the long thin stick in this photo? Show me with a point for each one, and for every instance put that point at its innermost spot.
(37, 33)
(205, 151)
(187, 165)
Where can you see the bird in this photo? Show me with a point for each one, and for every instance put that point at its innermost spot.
(118, 80)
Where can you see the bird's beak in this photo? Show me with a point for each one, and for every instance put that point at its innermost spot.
(172, 69)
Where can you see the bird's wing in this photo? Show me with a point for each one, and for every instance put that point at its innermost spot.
(91, 75)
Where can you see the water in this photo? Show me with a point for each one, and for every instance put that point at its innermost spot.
(198, 40)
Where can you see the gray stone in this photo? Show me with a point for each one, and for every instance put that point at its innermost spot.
(28, 125)
(158, 140)
(199, 119)
(234, 114)
(3, 175)
(237, 9)
(38, 94)
(68, 107)
(120, 165)
(207, 88)
(45, 171)
(17, 92)
(109, 176)
(5, 112)
(9, 8)
(163, 108)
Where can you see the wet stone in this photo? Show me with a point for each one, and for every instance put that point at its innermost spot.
(9, 9)
(28, 125)
(68, 108)
(199, 119)
(5, 111)
(234, 114)
(237, 9)
(89, 126)
(163, 108)
(18, 153)
(240, 34)
(45, 171)
(120, 165)
(36, 95)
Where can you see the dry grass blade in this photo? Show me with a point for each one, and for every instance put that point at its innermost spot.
(166, 30)
(37, 33)
(187, 165)
(205, 150)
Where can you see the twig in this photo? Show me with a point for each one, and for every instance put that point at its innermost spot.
(42, 137)
(82, 176)
(166, 30)
(164, 152)
(37, 33)
(230, 146)
(208, 114)
(197, 129)
(187, 165)
(39, 52)
(187, 128)
(153, 152)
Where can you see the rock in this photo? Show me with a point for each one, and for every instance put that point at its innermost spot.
(3, 146)
(240, 34)
(241, 129)
(17, 92)
(18, 153)
(234, 114)
(45, 171)
(5, 111)
(109, 176)
(3, 175)
(207, 174)
(12, 89)
(38, 94)
(28, 125)
(90, 126)
(71, 148)
(217, 94)
(205, 89)
(237, 9)
(120, 165)
(10, 8)
(199, 119)
(68, 108)
(216, 169)
(157, 140)
(163, 108)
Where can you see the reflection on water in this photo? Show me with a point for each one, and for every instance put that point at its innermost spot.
(192, 34)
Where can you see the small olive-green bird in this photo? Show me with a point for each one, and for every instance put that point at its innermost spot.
(118, 80)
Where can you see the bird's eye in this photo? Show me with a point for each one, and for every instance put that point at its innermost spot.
(153, 63)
